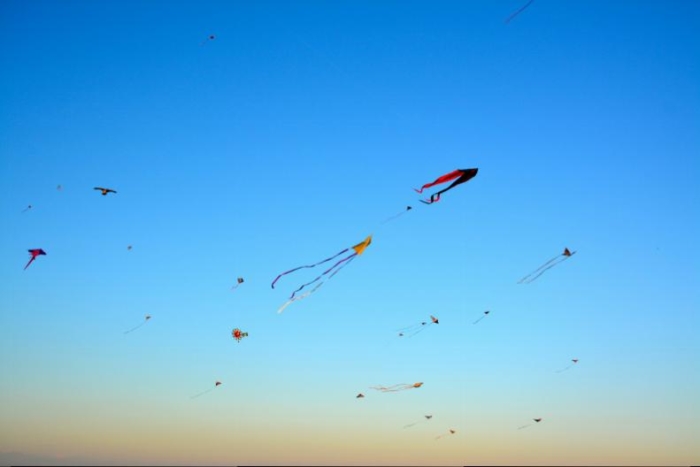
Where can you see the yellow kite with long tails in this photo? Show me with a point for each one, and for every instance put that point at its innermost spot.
(357, 250)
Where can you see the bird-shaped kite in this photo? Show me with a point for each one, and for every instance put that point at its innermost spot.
(105, 190)
(34, 253)
(461, 176)
(359, 396)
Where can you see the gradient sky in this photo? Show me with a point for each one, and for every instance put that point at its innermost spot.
(292, 136)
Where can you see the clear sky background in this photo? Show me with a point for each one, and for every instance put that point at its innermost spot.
(291, 136)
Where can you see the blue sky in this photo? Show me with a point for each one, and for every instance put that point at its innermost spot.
(294, 134)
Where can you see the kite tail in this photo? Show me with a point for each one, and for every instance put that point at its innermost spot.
(201, 393)
(300, 297)
(308, 266)
(30, 262)
(563, 369)
(324, 273)
(341, 267)
(433, 199)
(519, 11)
(479, 319)
(422, 328)
(524, 426)
(134, 328)
(547, 268)
(524, 279)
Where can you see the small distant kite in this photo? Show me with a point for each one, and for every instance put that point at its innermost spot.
(129, 247)
(424, 419)
(486, 313)
(461, 176)
(451, 432)
(217, 384)
(358, 250)
(59, 188)
(104, 190)
(537, 420)
(34, 253)
(238, 334)
(520, 10)
(574, 361)
(397, 387)
(359, 396)
(146, 318)
(239, 281)
(418, 327)
(27, 208)
(548, 265)
(209, 38)
(395, 216)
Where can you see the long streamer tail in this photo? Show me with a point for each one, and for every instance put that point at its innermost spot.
(134, 328)
(519, 11)
(524, 279)
(307, 266)
(563, 258)
(348, 258)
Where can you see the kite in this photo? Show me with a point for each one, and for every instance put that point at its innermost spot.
(35, 252)
(359, 396)
(395, 216)
(574, 361)
(238, 334)
(445, 434)
(548, 265)
(129, 247)
(397, 387)
(104, 190)
(239, 282)
(59, 188)
(28, 208)
(426, 418)
(485, 315)
(519, 11)
(461, 176)
(537, 420)
(217, 384)
(210, 38)
(416, 328)
(358, 250)
(146, 318)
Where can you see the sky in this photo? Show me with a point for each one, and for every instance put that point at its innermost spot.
(294, 134)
